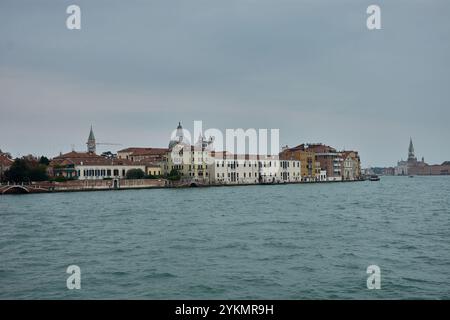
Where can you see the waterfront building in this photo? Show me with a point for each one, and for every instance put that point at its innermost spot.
(227, 168)
(329, 159)
(320, 162)
(139, 154)
(322, 175)
(414, 167)
(199, 164)
(401, 169)
(310, 168)
(315, 158)
(410, 166)
(252, 169)
(290, 170)
(351, 165)
(89, 166)
(388, 171)
(151, 168)
(192, 162)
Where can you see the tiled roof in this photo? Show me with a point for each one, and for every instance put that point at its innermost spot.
(86, 158)
(144, 151)
(5, 161)
(147, 163)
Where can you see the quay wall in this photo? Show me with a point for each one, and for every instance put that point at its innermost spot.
(83, 185)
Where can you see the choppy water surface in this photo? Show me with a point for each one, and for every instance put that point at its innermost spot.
(258, 242)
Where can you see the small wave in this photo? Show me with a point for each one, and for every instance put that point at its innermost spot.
(160, 275)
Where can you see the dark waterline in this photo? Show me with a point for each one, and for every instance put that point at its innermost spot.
(255, 242)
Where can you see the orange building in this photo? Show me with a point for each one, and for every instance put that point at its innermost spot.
(310, 169)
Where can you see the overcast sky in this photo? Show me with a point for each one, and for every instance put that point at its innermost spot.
(308, 67)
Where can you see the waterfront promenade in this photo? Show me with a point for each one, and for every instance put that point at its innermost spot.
(123, 184)
(82, 185)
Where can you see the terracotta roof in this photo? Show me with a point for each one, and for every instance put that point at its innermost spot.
(75, 154)
(144, 151)
(147, 163)
(5, 161)
(86, 158)
(230, 156)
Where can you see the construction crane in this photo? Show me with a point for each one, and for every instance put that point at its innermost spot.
(108, 144)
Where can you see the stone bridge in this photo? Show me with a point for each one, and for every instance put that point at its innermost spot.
(18, 189)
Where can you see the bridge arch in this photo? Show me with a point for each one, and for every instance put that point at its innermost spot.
(15, 189)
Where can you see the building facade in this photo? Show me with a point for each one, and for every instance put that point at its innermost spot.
(351, 166)
(139, 154)
(414, 167)
(330, 160)
(199, 164)
(89, 166)
(310, 168)
(253, 169)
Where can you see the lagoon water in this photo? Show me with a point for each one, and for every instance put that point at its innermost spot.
(305, 241)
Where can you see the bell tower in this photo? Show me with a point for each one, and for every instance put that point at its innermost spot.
(411, 156)
(91, 146)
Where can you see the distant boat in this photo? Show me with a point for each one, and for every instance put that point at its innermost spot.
(374, 177)
(411, 176)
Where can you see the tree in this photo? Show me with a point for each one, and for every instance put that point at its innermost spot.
(135, 174)
(44, 160)
(26, 169)
(174, 175)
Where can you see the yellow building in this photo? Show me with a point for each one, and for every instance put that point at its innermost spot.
(310, 169)
(153, 169)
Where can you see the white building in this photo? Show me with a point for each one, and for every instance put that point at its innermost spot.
(89, 166)
(87, 171)
(322, 175)
(248, 169)
(198, 164)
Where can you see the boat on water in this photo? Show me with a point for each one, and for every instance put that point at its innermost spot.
(411, 176)
(374, 177)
